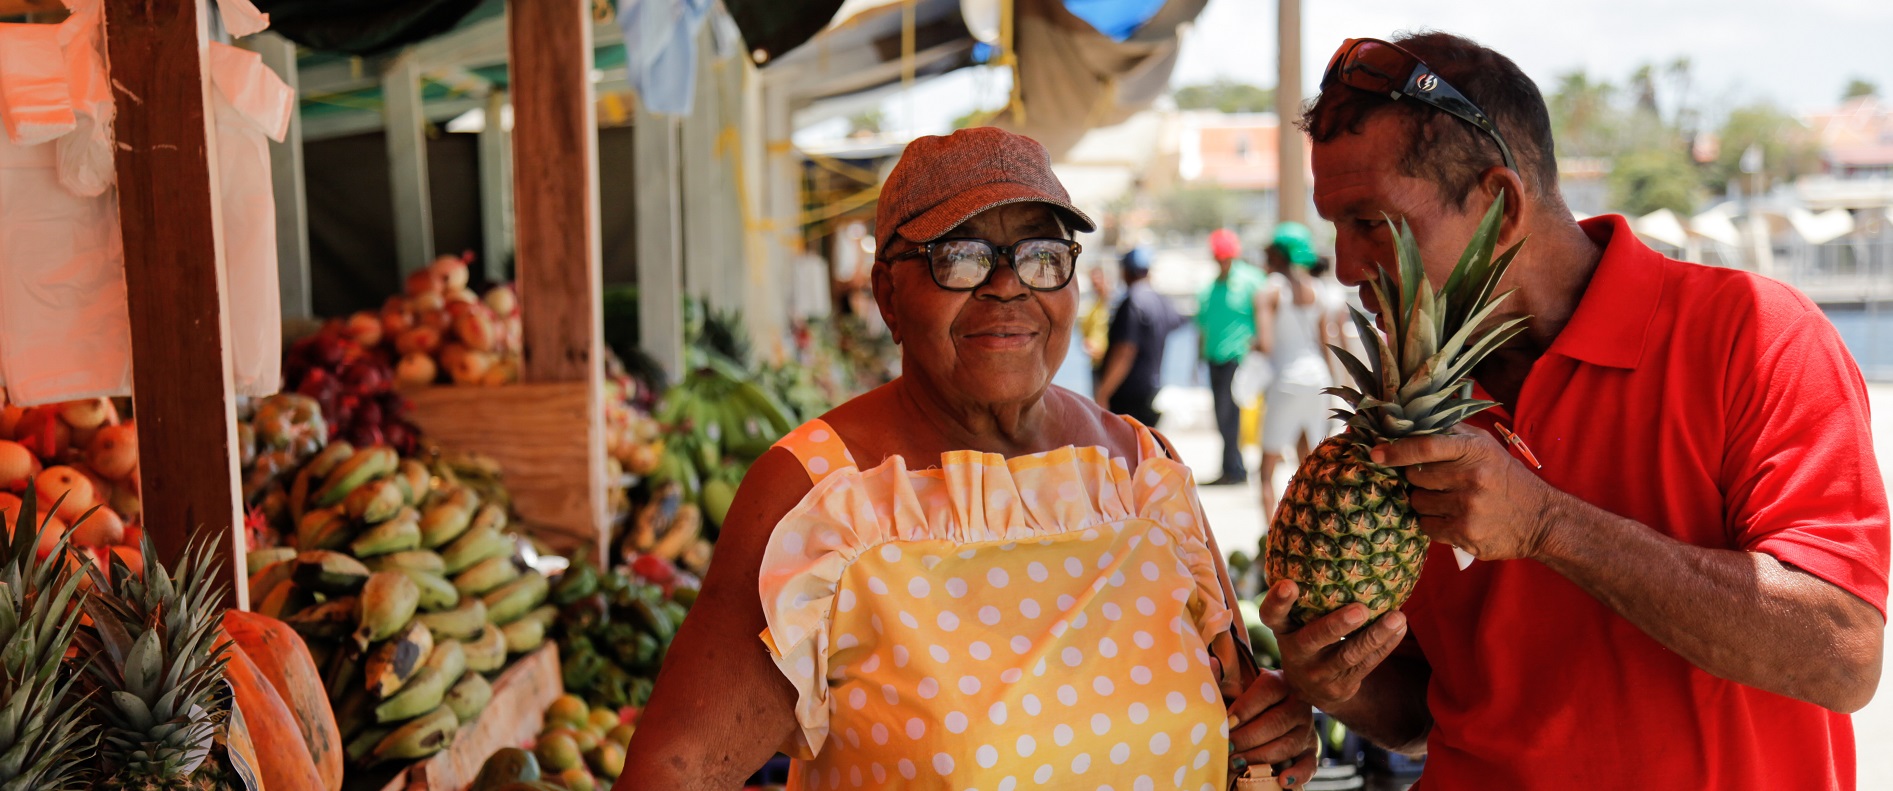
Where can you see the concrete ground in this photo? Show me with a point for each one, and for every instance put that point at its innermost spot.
(1235, 514)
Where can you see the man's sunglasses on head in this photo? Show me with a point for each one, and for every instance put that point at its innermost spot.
(1376, 66)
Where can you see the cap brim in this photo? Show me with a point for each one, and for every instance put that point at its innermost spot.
(937, 221)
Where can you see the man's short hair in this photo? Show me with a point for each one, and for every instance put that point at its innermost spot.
(1441, 148)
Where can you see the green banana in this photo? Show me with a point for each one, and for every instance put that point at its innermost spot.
(460, 623)
(437, 593)
(264, 580)
(325, 461)
(388, 601)
(400, 534)
(487, 652)
(323, 528)
(416, 559)
(490, 515)
(396, 661)
(358, 469)
(342, 681)
(473, 547)
(330, 620)
(374, 502)
(362, 746)
(523, 635)
(423, 736)
(327, 571)
(414, 480)
(545, 614)
(257, 559)
(486, 575)
(428, 687)
(286, 598)
(445, 521)
(469, 696)
(514, 599)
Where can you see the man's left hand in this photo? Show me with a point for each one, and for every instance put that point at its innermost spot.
(1270, 726)
(1472, 494)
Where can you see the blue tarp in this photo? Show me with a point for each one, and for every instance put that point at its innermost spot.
(1115, 18)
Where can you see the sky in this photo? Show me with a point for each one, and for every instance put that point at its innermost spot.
(1798, 54)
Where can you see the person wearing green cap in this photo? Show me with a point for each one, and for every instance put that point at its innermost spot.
(1292, 332)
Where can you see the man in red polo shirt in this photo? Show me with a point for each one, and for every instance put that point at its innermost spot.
(1690, 591)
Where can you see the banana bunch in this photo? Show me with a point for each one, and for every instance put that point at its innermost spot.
(407, 589)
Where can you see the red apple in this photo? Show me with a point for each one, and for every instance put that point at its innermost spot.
(416, 370)
(43, 433)
(102, 529)
(89, 413)
(365, 327)
(17, 464)
(74, 486)
(114, 451)
(419, 340)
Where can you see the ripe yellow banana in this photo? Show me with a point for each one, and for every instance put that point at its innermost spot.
(487, 652)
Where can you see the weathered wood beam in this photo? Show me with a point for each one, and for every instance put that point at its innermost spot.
(407, 162)
(174, 275)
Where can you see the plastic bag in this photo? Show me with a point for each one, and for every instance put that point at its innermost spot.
(1253, 376)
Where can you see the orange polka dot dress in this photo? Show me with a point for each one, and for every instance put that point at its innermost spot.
(1042, 621)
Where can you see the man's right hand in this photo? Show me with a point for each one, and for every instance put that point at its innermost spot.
(1320, 665)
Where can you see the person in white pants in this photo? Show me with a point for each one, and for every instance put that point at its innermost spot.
(1294, 336)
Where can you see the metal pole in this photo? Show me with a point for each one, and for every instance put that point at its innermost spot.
(1292, 182)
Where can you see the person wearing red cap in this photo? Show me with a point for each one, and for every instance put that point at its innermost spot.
(969, 577)
(1226, 321)
(1680, 527)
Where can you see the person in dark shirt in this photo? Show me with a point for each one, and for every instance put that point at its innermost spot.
(1133, 360)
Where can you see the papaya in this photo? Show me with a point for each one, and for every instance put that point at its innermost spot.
(284, 658)
(285, 764)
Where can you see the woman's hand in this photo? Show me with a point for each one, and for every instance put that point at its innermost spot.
(1270, 726)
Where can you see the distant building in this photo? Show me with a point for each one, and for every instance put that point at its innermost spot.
(1857, 138)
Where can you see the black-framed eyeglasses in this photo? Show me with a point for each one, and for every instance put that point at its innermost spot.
(1376, 66)
(966, 264)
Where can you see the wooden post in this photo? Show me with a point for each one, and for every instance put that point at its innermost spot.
(292, 207)
(660, 240)
(406, 123)
(174, 274)
(1291, 191)
(555, 178)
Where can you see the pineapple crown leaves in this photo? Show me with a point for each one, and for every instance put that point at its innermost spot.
(41, 734)
(153, 666)
(1417, 377)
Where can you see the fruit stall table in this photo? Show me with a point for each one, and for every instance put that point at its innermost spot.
(169, 205)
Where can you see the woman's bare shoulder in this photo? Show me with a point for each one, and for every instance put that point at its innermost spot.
(1088, 423)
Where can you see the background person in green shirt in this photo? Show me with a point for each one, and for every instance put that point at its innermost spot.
(1226, 318)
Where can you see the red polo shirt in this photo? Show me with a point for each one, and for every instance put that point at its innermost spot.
(1714, 406)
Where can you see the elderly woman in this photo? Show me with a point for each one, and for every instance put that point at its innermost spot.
(969, 578)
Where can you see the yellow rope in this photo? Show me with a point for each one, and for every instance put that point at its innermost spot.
(1009, 59)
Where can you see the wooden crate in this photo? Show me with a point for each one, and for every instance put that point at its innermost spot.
(542, 436)
(513, 719)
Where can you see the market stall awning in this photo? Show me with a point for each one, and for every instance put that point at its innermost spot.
(367, 27)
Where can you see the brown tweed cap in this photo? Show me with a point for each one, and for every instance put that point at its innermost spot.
(941, 182)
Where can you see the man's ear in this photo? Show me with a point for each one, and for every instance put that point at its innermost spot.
(1519, 202)
(882, 279)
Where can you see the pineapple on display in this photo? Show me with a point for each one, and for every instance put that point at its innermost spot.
(45, 740)
(1344, 531)
(157, 684)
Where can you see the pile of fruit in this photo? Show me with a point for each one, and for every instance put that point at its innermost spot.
(407, 588)
(581, 749)
(615, 628)
(353, 383)
(80, 451)
(123, 679)
(440, 331)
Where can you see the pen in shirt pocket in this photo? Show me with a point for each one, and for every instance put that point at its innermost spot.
(1518, 446)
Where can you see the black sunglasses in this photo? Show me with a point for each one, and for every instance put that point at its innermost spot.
(1376, 66)
(967, 264)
